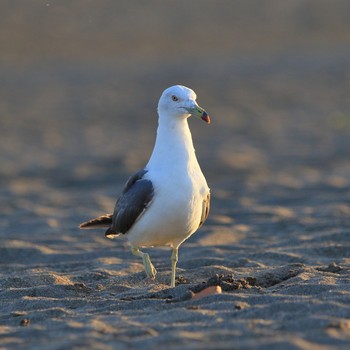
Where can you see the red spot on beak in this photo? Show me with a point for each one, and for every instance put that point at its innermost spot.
(206, 117)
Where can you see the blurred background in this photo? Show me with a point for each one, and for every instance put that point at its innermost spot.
(80, 81)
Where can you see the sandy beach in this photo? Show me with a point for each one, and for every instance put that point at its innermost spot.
(79, 86)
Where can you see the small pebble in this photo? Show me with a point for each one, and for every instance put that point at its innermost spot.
(25, 322)
(207, 291)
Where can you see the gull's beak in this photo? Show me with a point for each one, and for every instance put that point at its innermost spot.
(199, 112)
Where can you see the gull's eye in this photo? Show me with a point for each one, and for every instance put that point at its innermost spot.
(174, 98)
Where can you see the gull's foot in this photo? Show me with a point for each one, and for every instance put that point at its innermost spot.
(149, 268)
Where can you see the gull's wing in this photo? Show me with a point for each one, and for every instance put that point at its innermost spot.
(135, 199)
(205, 210)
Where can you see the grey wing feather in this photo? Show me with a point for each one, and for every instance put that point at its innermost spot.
(135, 199)
(205, 210)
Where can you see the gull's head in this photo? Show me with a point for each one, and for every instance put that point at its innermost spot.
(179, 102)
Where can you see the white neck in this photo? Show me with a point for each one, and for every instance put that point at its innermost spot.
(173, 144)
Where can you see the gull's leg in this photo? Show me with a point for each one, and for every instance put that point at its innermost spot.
(149, 268)
(174, 259)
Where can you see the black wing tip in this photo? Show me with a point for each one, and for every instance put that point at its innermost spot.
(102, 221)
(85, 225)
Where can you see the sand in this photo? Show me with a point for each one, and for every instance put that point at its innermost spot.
(79, 86)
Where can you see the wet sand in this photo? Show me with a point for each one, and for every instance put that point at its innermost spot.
(79, 87)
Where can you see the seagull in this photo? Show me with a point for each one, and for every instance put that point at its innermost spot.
(168, 200)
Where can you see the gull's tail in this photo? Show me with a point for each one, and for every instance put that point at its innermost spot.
(102, 221)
